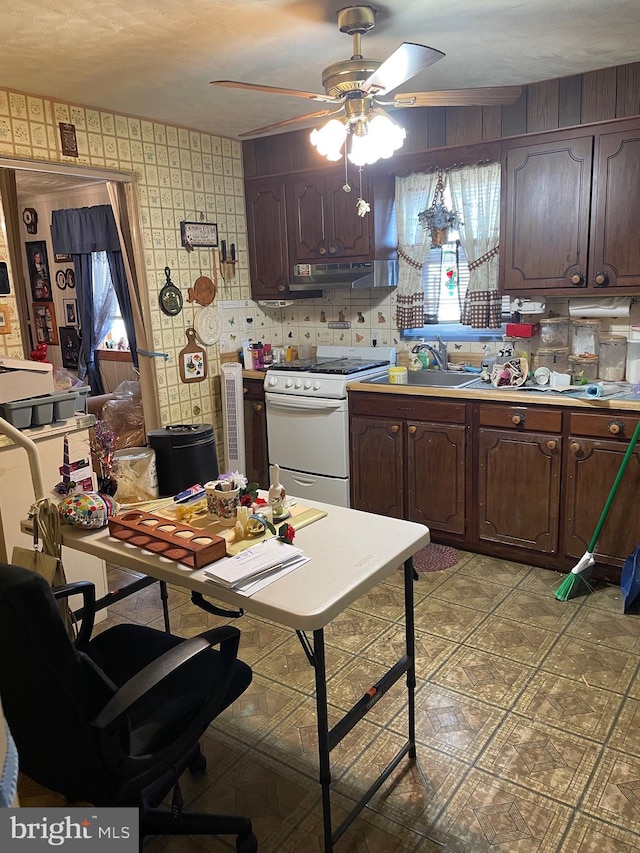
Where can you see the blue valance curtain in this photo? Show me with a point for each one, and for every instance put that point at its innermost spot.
(79, 232)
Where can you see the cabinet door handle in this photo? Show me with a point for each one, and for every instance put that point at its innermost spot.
(395, 428)
(333, 248)
(552, 444)
(322, 248)
(601, 279)
(258, 407)
(412, 430)
(577, 279)
(616, 427)
(518, 420)
(245, 390)
(576, 447)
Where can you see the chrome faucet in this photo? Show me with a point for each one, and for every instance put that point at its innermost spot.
(440, 354)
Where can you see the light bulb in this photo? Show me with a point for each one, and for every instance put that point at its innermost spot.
(382, 139)
(329, 139)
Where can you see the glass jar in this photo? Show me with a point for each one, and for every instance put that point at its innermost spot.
(584, 368)
(554, 332)
(585, 335)
(613, 358)
(556, 358)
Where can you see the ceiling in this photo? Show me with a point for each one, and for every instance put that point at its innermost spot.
(155, 58)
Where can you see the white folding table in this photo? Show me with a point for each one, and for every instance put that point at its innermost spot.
(350, 551)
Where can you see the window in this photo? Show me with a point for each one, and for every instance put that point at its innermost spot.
(109, 325)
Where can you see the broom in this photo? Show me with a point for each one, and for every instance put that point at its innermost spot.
(577, 581)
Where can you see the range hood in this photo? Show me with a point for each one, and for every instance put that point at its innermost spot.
(355, 275)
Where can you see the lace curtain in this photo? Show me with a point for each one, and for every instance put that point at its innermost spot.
(475, 191)
(413, 194)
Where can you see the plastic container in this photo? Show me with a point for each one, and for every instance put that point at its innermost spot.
(613, 358)
(136, 475)
(554, 332)
(185, 455)
(584, 368)
(556, 358)
(632, 372)
(398, 376)
(585, 337)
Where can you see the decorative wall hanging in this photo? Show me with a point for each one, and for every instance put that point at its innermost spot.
(30, 219)
(44, 317)
(170, 297)
(437, 218)
(203, 291)
(70, 275)
(195, 235)
(61, 259)
(70, 346)
(61, 279)
(38, 267)
(5, 320)
(208, 326)
(227, 262)
(192, 360)
(70, 312)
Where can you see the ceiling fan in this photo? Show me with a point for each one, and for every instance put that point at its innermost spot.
(353, 87)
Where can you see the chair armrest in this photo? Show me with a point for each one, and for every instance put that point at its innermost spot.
(142, 682)
(110, 721)
(88, 591)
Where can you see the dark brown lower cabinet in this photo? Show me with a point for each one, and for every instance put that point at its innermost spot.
(595, 449)
(255, 433)
(408, 459)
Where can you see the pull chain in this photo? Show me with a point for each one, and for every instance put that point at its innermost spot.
(363, 207)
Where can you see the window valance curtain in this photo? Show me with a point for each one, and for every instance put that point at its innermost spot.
(82, 232)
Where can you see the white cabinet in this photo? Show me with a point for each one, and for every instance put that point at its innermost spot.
(17, 497)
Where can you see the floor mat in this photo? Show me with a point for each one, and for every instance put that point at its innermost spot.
(435, 558)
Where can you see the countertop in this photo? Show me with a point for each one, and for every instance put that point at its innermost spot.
(485, 392)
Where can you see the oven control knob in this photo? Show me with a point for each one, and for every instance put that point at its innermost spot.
(272, 381)
(288, 383)
(298, 383)
(307, 383)
(317, 385)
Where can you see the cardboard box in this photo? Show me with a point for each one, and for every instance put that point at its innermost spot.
(522, 330)
(20, 380)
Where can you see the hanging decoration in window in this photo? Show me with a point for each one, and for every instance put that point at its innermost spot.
(437, 218)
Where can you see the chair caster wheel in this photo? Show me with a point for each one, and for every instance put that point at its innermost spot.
(198, 764)
(248, 844)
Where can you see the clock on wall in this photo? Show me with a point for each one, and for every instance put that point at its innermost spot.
(30, 219)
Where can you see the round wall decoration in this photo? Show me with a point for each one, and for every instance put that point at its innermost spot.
(208, 326)
(61, 279)
(170, 297)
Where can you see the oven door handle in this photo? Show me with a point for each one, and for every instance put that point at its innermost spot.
(291, 404)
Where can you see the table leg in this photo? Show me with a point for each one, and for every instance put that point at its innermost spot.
(410, 635)
(319, 665)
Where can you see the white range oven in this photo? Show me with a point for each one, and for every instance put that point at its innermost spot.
(308, 421)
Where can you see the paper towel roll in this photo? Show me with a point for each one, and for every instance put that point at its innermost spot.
(608, 306)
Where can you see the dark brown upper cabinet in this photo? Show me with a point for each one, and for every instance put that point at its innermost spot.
(568, 208)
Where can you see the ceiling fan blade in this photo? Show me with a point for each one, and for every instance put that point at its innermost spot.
(403, 64)
(275, 90)
(288, 121)
(488, 96)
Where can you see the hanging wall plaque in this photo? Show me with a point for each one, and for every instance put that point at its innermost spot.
(170, 298)
(192, 360)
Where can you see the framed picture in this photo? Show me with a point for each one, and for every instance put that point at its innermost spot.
(38, 267)
(70, 276)
(61, 259)
(5, 320)
(70, 346)
(70, 312)
(61, 279)
(44, 317)
(5, 288)
(199, 234)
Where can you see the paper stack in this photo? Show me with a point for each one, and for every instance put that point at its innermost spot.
(270, 558)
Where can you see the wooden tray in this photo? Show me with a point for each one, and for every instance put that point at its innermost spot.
(172, 539)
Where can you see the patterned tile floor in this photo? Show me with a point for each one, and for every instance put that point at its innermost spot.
(528, 720)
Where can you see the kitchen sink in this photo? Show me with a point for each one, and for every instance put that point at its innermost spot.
(432, 379)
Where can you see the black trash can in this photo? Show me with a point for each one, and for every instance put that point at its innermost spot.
(185, 455)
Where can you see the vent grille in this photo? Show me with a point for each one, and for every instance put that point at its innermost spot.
(233, 416)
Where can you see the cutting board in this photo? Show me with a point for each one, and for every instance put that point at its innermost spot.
(301, 516)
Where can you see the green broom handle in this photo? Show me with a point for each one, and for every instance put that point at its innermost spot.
(614, 488)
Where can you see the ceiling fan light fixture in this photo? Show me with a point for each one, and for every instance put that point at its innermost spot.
(329, 139)
(383, 138)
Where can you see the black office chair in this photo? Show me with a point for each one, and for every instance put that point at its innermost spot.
(114, 720)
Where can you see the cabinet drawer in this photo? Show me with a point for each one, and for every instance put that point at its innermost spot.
(407, 408)
(602, 426)
(521, 417)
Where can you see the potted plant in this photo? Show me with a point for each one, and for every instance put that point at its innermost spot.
(437, 218)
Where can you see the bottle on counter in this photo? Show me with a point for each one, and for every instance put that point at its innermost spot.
(267, 355)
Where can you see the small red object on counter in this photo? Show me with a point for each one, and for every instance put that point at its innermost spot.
(522, 330)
